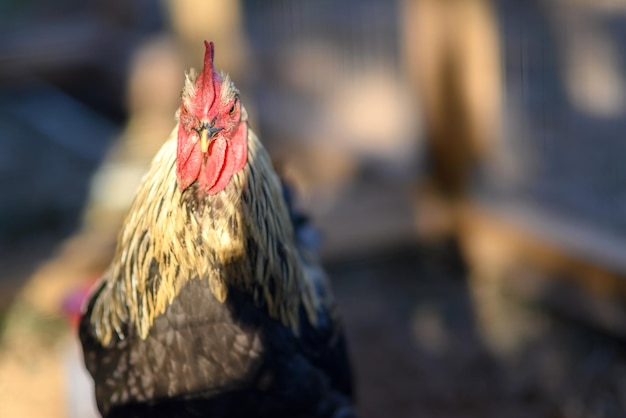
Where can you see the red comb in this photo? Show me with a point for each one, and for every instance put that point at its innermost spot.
(209, 54)
(209, 79)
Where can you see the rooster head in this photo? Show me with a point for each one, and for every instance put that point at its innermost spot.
(212, 130)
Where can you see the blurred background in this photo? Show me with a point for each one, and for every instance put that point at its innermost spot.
(461, 158)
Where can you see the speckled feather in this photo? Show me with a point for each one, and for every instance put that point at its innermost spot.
(207, 295)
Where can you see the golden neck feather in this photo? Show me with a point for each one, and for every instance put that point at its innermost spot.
(241, 236)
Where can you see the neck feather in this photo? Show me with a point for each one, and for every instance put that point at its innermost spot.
(241, 236)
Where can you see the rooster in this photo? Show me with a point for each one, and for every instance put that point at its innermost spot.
(212, 307)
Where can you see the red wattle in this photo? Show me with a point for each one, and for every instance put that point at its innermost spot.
(226, 173)
(188, 163)
(239, 147)
(234, 158)
(214, 164)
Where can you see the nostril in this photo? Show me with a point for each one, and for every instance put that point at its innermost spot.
(213, 131)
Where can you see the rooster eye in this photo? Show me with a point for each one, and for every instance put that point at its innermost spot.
(184, 110)
(233, 109)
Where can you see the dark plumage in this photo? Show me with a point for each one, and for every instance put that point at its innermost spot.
(221, 359)
(212, 307)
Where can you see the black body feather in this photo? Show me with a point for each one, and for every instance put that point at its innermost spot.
(228, 359)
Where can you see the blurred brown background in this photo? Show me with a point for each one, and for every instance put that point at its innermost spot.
(463, 160)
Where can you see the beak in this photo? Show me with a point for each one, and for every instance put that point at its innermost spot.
(206, 136)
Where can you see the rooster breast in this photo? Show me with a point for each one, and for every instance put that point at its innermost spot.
(207, 358)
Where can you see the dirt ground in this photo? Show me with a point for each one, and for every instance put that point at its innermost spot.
(417, 351)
